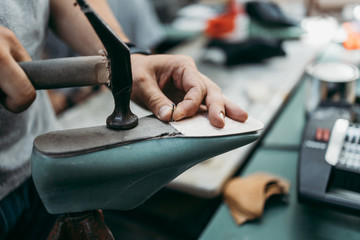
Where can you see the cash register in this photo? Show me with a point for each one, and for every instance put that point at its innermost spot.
(329, 164)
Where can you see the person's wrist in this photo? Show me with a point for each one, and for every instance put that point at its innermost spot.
(138, 50)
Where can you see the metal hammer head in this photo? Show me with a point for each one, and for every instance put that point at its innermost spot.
(120, 73)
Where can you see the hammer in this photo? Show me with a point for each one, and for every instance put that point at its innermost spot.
(113, 69)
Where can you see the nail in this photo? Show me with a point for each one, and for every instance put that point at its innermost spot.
(164, 111)
(222, 115)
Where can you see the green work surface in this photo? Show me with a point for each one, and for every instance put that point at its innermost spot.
(289, 220)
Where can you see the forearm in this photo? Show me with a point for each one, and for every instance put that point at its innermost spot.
(72, 26)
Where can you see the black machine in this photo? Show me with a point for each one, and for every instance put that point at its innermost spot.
(329, 164)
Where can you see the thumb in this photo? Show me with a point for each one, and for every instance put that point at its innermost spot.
(161, 106)
(165, 112)
(155, 100)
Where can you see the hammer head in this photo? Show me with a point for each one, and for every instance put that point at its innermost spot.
(120, 71)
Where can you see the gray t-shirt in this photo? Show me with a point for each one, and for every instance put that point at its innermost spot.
(28, 20)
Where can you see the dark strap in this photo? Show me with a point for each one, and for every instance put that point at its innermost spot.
(138, 50)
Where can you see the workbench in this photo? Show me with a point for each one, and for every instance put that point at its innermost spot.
(278, 154)
(173, 215)
(170, 212)
(291, 219)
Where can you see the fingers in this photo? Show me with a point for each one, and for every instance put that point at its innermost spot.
(156, 74)
(17, 92)
(189, 80)
(217, 105)
(11, 46)
(198, 89)
(193, 99)
(190, 104)
(168, 73)
(234, 112)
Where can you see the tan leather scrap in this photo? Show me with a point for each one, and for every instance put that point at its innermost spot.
(246, 196)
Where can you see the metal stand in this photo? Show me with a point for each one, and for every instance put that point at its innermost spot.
(83, 226)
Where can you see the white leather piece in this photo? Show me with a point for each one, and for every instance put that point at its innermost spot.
(199, 126)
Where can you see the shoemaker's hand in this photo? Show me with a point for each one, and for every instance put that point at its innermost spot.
(16, 90)
(161, 80)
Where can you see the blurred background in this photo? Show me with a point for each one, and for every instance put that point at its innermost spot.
(237, 31)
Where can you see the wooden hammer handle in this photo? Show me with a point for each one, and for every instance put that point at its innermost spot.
(67, 72)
